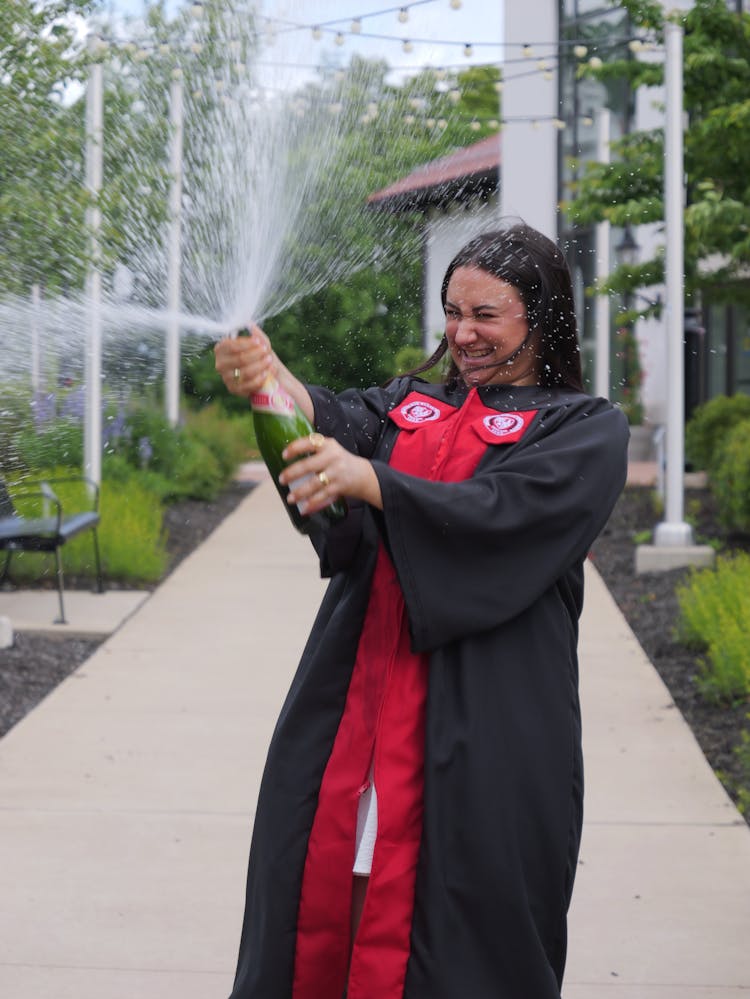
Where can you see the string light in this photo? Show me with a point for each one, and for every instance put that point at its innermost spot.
(196, 9)
(339, 39)
(595, 62)
(468, 50)
(403, 15)
(407, 46)
(316, 33)
(455, 4)
(636, 45)
(356, 26)
(580, 51)
(527, 51)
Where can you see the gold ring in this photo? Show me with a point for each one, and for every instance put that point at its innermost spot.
(316, 441)
(323, 479)
(236, 374)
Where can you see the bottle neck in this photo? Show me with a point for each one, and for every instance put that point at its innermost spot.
(272, 398)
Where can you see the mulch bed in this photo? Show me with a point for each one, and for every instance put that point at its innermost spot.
(37, 662)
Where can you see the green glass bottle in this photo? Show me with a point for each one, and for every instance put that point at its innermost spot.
(278, 421)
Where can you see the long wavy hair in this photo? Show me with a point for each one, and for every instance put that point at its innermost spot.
(537, 269)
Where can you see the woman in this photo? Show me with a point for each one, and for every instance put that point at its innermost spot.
(435, 708)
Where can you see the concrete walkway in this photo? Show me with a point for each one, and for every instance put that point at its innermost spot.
(126, 798)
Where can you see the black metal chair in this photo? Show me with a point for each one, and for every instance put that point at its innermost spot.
(46, 533)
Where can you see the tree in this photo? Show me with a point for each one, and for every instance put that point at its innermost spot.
(717, 140)
(42, 200)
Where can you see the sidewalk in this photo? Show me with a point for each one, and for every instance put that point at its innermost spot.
(126, 798)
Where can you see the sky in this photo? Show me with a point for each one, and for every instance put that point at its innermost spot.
(437, 31)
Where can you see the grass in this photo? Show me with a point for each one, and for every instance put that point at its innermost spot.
(715, 617)
(131, 536)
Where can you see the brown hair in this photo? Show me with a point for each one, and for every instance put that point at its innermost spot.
(537, 269)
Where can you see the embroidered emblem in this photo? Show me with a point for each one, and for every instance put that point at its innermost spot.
(503, 424)
(420, 412)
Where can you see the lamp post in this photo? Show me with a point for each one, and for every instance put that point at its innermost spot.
(673, 531)
(92, 429)
(172, 369)
(626, 252)
(602, 371)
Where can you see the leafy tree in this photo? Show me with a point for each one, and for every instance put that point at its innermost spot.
(717, 140)
(42, 201)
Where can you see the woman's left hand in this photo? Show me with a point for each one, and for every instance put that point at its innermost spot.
(333, 473)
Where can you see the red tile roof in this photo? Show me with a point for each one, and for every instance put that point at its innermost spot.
(467, 169)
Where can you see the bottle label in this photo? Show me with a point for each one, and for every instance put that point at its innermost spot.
(272, 402)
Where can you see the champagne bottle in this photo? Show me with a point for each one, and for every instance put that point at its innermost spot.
(278, 421)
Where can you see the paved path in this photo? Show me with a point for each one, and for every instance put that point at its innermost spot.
(126, 798)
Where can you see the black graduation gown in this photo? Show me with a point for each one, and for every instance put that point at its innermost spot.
(491, 570)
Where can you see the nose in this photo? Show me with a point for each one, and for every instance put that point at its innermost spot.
(465, 332)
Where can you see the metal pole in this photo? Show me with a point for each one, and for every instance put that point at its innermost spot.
(92, 431)
(172, 377)
(36, 297)
(673, 531)
(601, 314)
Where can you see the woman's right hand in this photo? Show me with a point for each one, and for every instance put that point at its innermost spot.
(244, 362)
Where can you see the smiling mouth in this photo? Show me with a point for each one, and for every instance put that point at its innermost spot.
(477, 355)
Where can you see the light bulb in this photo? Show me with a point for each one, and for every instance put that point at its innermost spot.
(455, 4)
(595, 62)
(636, 45)
(527, 52)
(339, 39)
(475, 126)
(317, 33)
(356, 26)
(580, 51)
(403, 15)
(559, 124)
(547, 75)
(468, 50)
(408, 46)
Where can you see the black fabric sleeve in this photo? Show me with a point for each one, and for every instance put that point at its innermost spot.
(356, 420)
(471, 555)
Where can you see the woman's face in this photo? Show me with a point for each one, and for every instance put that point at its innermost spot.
(485, 322)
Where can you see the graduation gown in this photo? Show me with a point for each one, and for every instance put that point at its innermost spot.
(490, 570)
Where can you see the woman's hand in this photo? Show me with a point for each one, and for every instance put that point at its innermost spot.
(244, 362)
(333, 473)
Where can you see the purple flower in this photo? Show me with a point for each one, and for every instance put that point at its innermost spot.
(73, 405)
(44, 409)
(145, 451)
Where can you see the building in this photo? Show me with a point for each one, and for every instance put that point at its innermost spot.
(551, 125)
(457, 196)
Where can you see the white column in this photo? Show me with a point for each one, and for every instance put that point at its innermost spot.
(529, 156)
(92, 431)
(673, 530)
(601, 315)
(36, 298)
(172, 371)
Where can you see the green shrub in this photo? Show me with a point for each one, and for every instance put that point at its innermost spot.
(709, 427)
(61, 443)
(715, 616)
(229, 439)
(730, 480)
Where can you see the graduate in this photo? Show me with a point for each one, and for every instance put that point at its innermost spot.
(419, 818)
